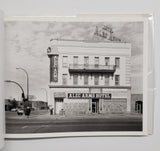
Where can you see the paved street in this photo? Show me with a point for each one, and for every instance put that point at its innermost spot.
(42, 122)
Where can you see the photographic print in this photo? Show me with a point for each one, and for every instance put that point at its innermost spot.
(73, 76)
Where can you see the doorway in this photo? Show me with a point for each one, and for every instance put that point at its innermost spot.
(139, 107)
(95, 105)
(58, 105)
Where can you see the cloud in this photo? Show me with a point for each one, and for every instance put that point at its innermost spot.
(27, 42)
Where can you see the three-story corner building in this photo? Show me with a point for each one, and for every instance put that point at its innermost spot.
(88, 77)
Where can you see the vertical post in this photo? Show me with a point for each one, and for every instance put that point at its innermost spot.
(46, 94)
(128, 100)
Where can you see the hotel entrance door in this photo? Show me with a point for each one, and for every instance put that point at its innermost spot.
(95, 105)
(58, 105)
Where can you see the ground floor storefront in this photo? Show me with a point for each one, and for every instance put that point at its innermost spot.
(82, 101)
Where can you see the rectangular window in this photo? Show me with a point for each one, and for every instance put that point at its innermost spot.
(64, 79)
(96, 61)
(86, 60)
(65, 61)
(117, 80)
(75, 60)
(106, 61)
(96, 80)
(101, 76)
(75, 79)
(85, 79)
(117, 62)
(106, 80)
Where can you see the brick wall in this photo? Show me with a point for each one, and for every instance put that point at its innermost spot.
(114, 106)
(76, 108)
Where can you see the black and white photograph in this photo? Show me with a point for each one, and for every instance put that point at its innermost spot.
(73, 76)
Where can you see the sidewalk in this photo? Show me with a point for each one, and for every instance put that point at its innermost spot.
(46, 116)
(92, 116)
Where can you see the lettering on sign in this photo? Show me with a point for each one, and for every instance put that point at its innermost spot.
(89, 95)
(55, 69)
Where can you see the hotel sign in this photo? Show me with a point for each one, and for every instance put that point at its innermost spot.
(54, 68)
(89, 95)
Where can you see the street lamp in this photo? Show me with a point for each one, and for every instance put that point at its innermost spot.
(23, 96)
(27, 81)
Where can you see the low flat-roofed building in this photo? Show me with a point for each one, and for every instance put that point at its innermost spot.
(39, 105)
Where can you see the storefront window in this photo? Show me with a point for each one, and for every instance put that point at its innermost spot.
(75, 79)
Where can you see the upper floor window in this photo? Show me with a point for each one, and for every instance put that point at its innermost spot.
(85, 79)
(117, 79)
(106, 80)
(96, 80)
(117, 62)
(75, 60)
(64, 79)
(75, 79)
(96, 60)
(65, 61)
(86, 60)
(106, 61)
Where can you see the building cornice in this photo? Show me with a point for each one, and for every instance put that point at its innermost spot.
(79, 86)
(88, 44)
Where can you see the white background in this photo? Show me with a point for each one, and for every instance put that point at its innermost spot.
(70, 8)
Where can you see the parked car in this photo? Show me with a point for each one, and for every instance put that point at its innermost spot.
(20, 112)
(13, 110)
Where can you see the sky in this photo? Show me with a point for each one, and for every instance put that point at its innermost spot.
(27, 43)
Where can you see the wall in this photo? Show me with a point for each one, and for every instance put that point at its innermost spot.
(92, 50)
(70, 8)
(119, 102)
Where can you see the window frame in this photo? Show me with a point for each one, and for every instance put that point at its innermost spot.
(74, 79)
(86, 62)
(64, 79)
(117, 82)
(117, 65)
(96, 77)
(65, 64)
(107, 63)
(106, 82)
(75, 60)
(96, 64)
(86, 79)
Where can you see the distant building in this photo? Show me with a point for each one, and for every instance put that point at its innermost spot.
(38, 105)
(8, 105)
(90, 77)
